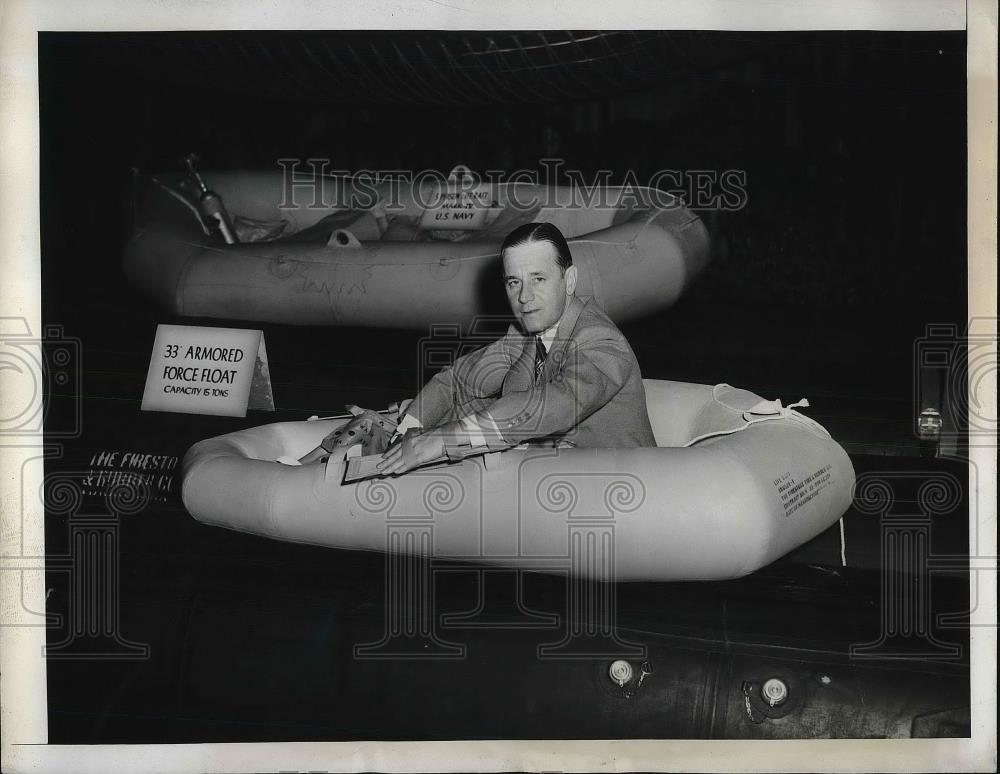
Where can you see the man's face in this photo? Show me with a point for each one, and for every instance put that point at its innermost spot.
(536, 287)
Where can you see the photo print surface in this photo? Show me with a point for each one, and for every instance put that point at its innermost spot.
(338, 444)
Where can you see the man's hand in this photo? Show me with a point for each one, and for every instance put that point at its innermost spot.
(411, 451)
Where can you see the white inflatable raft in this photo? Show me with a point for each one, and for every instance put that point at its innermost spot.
(398, 258)
(735, 483)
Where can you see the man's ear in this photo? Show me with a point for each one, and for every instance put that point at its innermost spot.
(570, 280)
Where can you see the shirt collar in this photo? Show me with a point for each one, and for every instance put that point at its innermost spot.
(548, 336)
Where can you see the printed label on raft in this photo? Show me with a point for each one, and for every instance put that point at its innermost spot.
(452, 209)
(795, 494)
(110, 467)
(196, 370)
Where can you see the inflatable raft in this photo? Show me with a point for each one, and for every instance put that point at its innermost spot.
(734, 483)
(342, 251)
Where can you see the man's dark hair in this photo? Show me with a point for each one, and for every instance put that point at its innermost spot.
(541, 232)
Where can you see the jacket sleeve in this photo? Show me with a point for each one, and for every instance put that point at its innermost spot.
(466, 387)
(595, 366)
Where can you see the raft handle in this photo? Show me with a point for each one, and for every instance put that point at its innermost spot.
(343, 238)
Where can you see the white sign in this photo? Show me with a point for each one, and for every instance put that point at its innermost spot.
(195, 370)
(456, 208)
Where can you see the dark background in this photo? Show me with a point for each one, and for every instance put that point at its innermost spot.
(852, 241)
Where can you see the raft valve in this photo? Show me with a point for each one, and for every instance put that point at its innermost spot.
(775, 691)
(620, 672)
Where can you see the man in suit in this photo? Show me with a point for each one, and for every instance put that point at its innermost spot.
(563, 373)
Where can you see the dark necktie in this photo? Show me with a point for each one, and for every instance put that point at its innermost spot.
(540, 354)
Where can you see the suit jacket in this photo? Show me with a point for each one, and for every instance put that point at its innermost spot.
(589, 391)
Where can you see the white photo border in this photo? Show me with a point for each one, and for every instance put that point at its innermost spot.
(23, 670)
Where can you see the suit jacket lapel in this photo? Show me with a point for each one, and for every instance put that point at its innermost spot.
(557, 352)
(522, 374)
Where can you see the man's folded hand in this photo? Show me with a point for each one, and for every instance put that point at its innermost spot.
(414, 449)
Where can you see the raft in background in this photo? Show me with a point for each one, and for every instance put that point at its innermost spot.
(735, 483)
(380, 265)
